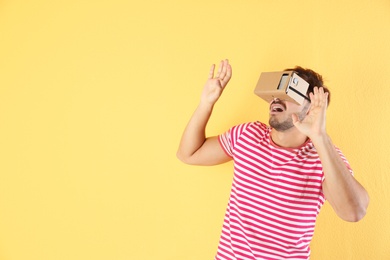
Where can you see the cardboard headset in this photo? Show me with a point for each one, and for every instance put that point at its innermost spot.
(285, 85)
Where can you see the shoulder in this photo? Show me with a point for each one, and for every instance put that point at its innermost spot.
(243, 134)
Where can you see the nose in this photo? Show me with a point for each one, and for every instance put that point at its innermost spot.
(275, 100)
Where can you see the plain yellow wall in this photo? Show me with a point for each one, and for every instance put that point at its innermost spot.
(94, 96)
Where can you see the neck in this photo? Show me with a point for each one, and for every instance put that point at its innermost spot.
(291, 138)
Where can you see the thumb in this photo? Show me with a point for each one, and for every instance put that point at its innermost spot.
(295, 119)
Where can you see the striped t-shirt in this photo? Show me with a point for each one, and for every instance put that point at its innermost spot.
(275, 198)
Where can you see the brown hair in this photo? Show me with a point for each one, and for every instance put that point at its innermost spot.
(313, 78)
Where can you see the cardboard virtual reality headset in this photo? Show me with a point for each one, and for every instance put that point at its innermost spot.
(285, 85)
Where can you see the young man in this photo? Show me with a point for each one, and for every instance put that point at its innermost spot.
(282, 173)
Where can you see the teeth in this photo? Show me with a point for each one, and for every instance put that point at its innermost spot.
(276, 107)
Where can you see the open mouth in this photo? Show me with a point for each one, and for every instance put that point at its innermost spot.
(277, 107)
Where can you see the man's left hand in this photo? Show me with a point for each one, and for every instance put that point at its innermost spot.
(313, 125)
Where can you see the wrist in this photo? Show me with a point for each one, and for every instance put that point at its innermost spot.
(320, 139)
(206, 105)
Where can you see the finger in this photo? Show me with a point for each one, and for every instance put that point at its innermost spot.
(321, 96)
(228, 75)
(211, 72)
(316, 96)
(326, 99)
(223, 70)
(312, 100)
(219, 69)
(311, 96)
(295, 119)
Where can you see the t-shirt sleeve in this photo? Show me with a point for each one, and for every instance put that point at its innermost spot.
(345, 161)
(229, 139)
(226, 143)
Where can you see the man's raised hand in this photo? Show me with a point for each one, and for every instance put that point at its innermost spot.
(313, 125)
(216, 84)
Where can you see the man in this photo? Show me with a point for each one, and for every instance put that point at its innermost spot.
(282, 173)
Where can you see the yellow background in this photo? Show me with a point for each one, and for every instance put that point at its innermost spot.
(94, 96)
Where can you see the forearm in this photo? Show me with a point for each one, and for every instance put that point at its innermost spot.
(346, 195)
(194, 134)
(194, 147)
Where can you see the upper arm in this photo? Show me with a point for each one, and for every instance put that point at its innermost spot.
(210, 153)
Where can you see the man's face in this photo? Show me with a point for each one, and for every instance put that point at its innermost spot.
(280, 113)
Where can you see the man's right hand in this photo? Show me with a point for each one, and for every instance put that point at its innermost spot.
(215, 85)
(194, 147)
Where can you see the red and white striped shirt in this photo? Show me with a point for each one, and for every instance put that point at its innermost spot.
(275, 198)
